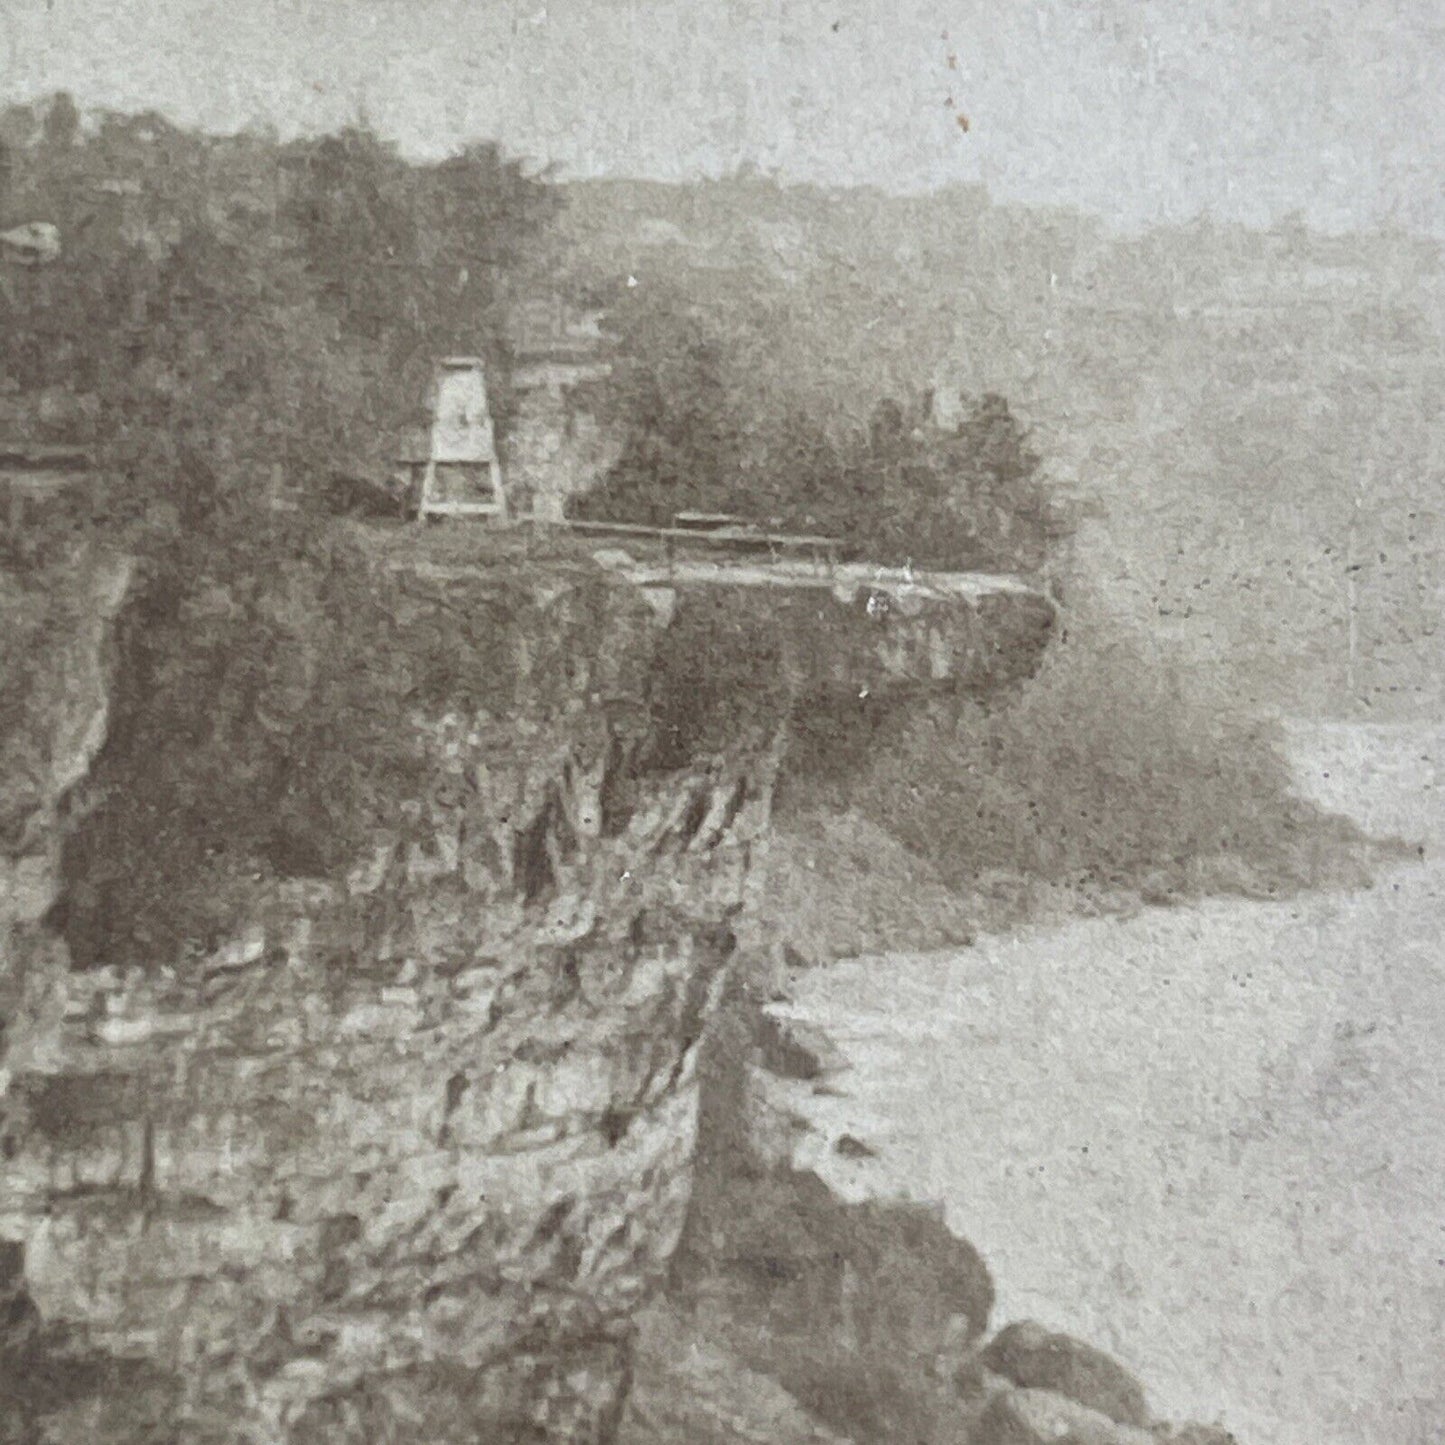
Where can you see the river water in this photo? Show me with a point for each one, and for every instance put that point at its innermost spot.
(1209, 1139)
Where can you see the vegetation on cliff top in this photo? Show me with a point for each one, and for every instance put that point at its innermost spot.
(228, 310)
(224, 312)
(710, 424)
(1112, 777)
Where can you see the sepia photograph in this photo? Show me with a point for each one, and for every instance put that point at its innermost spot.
(722, 722)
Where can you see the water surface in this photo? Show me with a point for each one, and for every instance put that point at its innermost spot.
(1210, 1139)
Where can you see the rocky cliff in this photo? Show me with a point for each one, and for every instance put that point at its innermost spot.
(402, 1156)
(400, 1159)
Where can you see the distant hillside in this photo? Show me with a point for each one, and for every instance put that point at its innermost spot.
(1256, 414)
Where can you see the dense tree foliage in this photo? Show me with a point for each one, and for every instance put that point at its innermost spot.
(709, 426)
(224, 310)
(224, 307)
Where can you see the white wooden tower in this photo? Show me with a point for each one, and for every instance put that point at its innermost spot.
(460, 475)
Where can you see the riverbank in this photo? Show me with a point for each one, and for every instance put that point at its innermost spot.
(1201, 1137)
(842, 886)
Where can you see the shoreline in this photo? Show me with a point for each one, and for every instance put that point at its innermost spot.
(1303, 1073)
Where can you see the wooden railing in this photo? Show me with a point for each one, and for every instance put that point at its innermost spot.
(734, 540)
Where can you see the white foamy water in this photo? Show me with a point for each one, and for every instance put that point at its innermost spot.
(1209, 1139)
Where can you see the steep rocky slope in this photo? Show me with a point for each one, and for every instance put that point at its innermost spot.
(860, 1319)
(403, 1154)
(401, 1158)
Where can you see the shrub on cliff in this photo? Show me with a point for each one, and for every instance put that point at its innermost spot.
(260, 727)
(702, 432)
(1110, 775)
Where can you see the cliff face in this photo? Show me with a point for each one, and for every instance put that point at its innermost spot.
(57, 664)
(395, 1140)
(401, 1158)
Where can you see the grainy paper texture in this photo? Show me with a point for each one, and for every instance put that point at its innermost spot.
(721, 722)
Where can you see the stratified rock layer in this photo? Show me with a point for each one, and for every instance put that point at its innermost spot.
(401, 1160)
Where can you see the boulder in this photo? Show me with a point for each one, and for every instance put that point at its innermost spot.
(687, 1386)
(1032, 1357)
(793, 1049)
(1042, 1417)
(1193, 1433)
